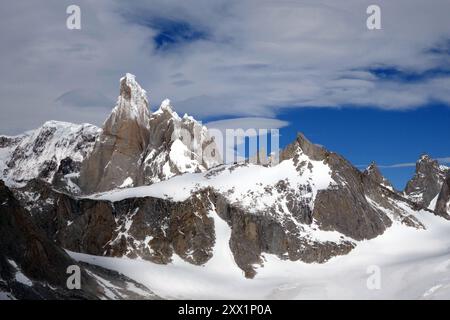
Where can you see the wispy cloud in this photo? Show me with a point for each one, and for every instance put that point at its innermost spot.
(232, 58)
(444, 160)
(247, 123)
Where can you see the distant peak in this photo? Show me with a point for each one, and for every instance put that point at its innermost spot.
(372, 166)
(374, 173)
(426, 161)
(373, 170)
(302, 144)
(424, 157)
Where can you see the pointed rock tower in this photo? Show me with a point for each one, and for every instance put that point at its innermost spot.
(137, 147)
(427, 181)
(116, 158)
(373, 172)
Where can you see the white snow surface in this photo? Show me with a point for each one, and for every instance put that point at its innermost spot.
(413, 264)
(433, 203)
(180, 156)
(128, 182)
(244, 185)
(54, 141)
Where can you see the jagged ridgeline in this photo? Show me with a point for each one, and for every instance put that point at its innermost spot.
(134, 188)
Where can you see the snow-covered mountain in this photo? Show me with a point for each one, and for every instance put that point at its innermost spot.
(51, 152)
(136, 147)
(177, 145)
(150, 185)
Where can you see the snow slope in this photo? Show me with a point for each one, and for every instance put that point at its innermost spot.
(243, 184)
(413, 264)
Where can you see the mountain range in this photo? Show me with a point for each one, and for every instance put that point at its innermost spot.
(138, 189)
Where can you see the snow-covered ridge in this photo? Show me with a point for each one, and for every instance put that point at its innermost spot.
(177, 145)
(39, 152)
(244, 184)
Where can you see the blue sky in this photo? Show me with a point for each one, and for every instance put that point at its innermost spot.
(363, 135)
(303, 65)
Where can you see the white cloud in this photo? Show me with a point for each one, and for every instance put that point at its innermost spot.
(257, 56)
(247, 123)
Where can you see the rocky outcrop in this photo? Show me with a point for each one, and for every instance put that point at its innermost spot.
(252, 235)
(33, 267)
(150, 228)
(427, 181)
(155, 229)
(443, 200)
(117, 153)
(26, 251)
(373, 173)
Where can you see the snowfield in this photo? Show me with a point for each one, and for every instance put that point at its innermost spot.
(241, 184)
(413, 264)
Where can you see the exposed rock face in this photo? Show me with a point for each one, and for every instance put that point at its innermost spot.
(426, 183)
(156, 229)
(443, 200)
(252, 235)
(38, 154)
(150, 228)
(26, 250)
(118, 150)
(343, 207)
(34, 267)
(373, 173)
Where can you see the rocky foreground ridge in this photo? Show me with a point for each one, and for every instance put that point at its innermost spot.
(138, 188)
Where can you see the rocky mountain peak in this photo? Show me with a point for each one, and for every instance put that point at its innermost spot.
(303, 145)
(374, 173)
(427, 181)
(137, 147)
(117, 152)
(425, 162)
(131, 91)
(131, 109)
